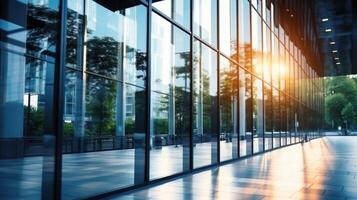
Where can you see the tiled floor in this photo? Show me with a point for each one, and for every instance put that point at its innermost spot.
(325, 168)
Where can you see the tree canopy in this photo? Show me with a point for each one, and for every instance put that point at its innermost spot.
(341, 102)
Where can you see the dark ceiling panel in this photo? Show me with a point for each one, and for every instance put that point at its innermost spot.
(337, 35)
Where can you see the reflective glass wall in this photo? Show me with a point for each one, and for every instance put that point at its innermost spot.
(150, 89)
(29, 33)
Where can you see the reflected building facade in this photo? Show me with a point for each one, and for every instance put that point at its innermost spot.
(99, 96)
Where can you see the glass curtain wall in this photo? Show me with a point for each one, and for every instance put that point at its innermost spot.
(170, 95)
(105, 98)
(257, 68)
(228, 80)
(28, 47)
(150, 91)
(205, 105)
(228, 109)
(245, 79)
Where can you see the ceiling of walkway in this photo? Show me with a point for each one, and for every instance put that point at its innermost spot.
(337, 27)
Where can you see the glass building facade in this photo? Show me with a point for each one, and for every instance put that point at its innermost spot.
(99, 96)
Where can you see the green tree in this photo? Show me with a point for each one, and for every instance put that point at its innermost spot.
(334, 105)
(348, 113)
(340, 101)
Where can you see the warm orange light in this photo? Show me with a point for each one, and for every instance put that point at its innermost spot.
(282, 70)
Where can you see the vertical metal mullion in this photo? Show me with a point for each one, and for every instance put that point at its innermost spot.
(218, 127)
(192, 89)
(148, 96)
(238, 74)
(263, 80)
(251, 81)
(276, 10)
(271, 83)
(58, 99)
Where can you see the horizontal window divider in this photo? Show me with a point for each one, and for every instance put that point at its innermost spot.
(172, 21)
(27, 55)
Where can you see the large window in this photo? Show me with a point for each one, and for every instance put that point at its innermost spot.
(257, 40)
(267, 55)
(245, 113)
(245, 79)
(276, 118)
(228, 27)
(282, 127)
(105, 99)
(179, 10)
(205, 20)
(170, 99)
(245, 47)
(228, 93)
(258, 112)
(268, 117)
(205, 107)
(28, 44)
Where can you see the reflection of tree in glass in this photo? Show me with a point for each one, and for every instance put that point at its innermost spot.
(74, 37)
(182, 95)
(206, 102)
(245, 56)
(228, 91)
(103, 56)
(42, 30)
(182, 99)
(34, 127)
(100, 107)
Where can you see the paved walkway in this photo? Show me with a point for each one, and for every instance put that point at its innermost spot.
(324, 168)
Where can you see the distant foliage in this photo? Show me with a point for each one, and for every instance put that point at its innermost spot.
(341, 102)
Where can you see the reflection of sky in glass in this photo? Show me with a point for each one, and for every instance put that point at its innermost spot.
(208, 61)
(244, 19)
(205, 20)
(225, 32)
(162, 50)
(168, 45)
(105, 23)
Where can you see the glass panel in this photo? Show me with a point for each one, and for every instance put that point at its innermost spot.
(104, 118)
(268, 116)
(228, 27)
(288, 118)
(178, 10)
(294, 122)
(28, 43)
(75, 28)
(205, 20)
(245, 113)
(228, 109)
(283, 101)
(291, 120)
(282, 69)
(258, 123)
(275, 61)
(170, 61)
(257, 4)
(245, 48)
(205, 129)
(276, 118)
(267, 68)
(268, 14)
(291, 76)
(257, 54)
(116, 39)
